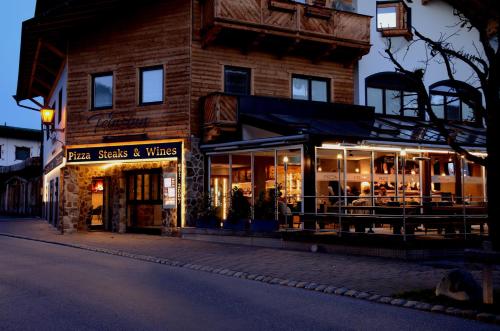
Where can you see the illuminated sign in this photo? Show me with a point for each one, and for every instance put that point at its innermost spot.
(138, 152)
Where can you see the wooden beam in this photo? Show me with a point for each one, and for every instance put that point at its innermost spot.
(34, 65)
(54, 49)
(48, 69)
(253, 43)
(294, 43)
(44, 84)
(210, 36)
(323, 54)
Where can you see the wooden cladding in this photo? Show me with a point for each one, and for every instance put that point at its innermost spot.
(220, 115)
(285, 19)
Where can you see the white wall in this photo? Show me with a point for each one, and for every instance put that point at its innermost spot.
(8, 146)
(431, 20)
(54, 144)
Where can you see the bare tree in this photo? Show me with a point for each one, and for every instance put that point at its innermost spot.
(482, 16)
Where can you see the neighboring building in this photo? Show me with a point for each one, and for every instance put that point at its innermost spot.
(20, 171)
(161, 104)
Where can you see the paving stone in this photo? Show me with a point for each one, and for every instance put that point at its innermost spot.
(284, 282)
(301, 284)
(238, 274)
(252, 276)
(320, 288)
(259, 278)
(362, 295)
(223, 271)
(291, 283)
(452, 311)
(230, 273)
(275, 281)
(385, 300)
(374, 297)
(423, 306)
(398, 302)
(468, 313)
(438, 308)
(267, 279)
(311, 286)
(341, 291)
(485, 317)
(330, 289)
(351, 293)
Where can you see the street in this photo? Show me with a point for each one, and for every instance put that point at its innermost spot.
(52, 287)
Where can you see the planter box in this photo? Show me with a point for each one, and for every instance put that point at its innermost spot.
(264, 226)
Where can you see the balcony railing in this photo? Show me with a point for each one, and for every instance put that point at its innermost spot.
(287, 19)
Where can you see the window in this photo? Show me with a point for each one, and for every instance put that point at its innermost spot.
(237, 80)
(60, 106)
(102, 91)
(151, 85)
(1, 155)
(394, 19)
(22, 153)
(392, 93)
(454, 101)
(310, 88)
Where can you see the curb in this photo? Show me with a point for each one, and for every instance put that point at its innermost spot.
(304, 285)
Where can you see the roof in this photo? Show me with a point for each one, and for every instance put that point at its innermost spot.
(44, 38)
(20, 133)
(349, 123)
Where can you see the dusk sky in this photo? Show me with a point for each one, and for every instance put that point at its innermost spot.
(11, 16)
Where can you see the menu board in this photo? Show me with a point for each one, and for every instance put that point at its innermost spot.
(169, 191)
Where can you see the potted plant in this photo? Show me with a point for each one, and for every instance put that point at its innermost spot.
(265, 212)
(207, 218)
(239, 213)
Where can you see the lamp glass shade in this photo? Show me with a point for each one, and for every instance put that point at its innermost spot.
(47, 116)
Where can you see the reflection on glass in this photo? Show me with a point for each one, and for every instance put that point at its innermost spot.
(468, 113)
(329, 180)
(443, 179)
(319, 91)
(289, 183)
(264, 189)
(384, 178)
(386, 17)
(393, 102)
(375, 99)
(358, 189)
(152, 85)
(219, 185)
(300, 90)
(410, 166)
(437, 102)
(473, 183)
(241, 171)
(453, 108)
(103, 91)
(410, 104)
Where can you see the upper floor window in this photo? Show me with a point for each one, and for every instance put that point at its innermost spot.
(59, 106)
(237, 80)
(394, 19)
(22, 153)
(392, 93)
(151, 85)
(102, 91)
(310, 88)
(454, 100)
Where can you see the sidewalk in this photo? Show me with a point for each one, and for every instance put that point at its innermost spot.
(368, 274)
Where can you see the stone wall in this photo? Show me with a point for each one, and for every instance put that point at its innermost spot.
(194, 181)
(76, 203)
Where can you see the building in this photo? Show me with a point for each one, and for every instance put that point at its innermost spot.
(20, 171)
(166, 111)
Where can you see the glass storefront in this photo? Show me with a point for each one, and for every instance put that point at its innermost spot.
(270, 179)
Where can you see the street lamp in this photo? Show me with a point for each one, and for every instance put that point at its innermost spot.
(48, 119)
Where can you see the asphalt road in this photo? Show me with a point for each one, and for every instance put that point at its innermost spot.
(51, 287)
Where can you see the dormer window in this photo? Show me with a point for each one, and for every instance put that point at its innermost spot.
(392, 93)
(394, 19)
(454, 101)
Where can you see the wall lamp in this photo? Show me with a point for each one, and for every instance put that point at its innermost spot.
(48, 119)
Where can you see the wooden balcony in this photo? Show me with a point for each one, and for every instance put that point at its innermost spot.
(219, 115)
(286, 26)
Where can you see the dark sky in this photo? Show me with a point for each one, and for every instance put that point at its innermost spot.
(12, 13)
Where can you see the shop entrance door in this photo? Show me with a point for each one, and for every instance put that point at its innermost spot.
(144, 201)
(99, 217)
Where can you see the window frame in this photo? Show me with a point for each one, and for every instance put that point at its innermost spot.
(22, 147)
(59, 105)
(141, 85)
(92, 100)
(460, 96)
(310, 79)
(247, 70)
